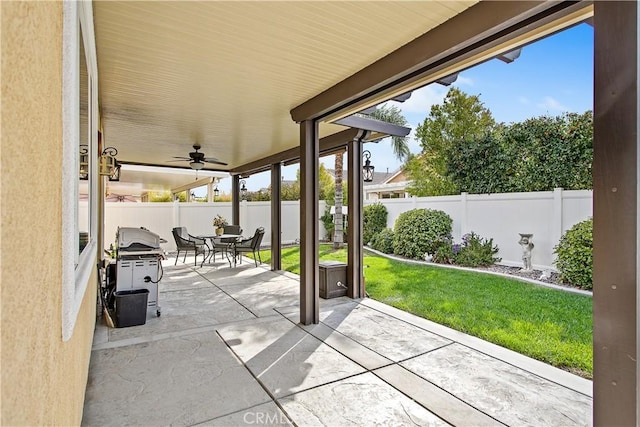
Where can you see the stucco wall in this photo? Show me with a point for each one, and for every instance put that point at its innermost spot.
(43, 379)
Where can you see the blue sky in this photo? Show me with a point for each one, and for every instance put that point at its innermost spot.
(552, 76)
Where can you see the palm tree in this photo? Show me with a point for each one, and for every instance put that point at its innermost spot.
(400, 145)
(392, 114)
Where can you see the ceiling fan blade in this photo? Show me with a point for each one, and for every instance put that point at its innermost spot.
(214, 161)
(182, 158)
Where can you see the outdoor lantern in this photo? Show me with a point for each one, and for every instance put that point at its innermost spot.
(108, 161)
(115, 176)
(367, 169)
(216, 192)
(243, 189)
(84, 162)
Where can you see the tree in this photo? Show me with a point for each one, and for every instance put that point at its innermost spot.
(461, 117)
(481, 166)
(539, 154)
(258, 196)
(165, 196)
(389, 114)
(549, 152)
(292, 191)
(392, 114)
(338, 238)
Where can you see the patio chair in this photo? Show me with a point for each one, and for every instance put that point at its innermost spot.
(188, 243)
(218, 246)
(232, 229)
(250, 245)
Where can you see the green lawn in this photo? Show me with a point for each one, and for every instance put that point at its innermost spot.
(546, 324)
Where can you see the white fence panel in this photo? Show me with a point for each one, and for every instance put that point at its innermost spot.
(254, 215)
(156, 217)
(545, 214)
(503, 216)
(198, 218)
(575, 205)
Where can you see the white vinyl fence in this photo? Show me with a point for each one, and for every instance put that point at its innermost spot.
(499, 216)
(545, 214)
(198, 218)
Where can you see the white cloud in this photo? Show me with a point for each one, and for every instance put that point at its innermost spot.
(464, 81)
(551, 104)
(422, 99)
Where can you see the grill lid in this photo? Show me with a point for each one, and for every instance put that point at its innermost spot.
(131, 238)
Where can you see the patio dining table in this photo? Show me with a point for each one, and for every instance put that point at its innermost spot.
(225, 239)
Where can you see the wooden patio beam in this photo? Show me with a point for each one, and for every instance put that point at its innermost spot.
(309, 191)
(276, 217)
(235, 199)
(486, 25)
(616, 233)
(355, 280)
(328, 143)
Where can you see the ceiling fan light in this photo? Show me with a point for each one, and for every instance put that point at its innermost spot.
(196, 165)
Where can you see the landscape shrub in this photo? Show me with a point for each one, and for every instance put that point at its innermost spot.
(421, 231)
(444, 254)
(383, 241)
(575, 255)
(475, 251)
(374, 220)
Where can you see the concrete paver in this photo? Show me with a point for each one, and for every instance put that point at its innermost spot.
(178, 381)
(505, 392)
(285, 358)
(229, 350)
(363, 400)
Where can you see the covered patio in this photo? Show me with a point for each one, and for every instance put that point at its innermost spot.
(229, 350)
(173, 75)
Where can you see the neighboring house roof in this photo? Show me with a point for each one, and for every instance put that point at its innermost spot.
(380, 178)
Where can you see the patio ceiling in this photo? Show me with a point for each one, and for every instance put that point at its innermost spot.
(137, 180)
(227, 74)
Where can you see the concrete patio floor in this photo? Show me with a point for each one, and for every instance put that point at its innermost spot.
(228, 350)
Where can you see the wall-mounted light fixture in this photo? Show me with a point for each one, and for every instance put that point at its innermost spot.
(108, 161)
(108, 165)
(243, 189)
(216, 192)
(115, 176)
(367, 168)
(84, 162)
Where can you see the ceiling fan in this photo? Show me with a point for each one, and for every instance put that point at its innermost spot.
(197, 159)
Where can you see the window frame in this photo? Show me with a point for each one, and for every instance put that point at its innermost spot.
(77, 268)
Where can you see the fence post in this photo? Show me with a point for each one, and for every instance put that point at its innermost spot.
(556, 229)
(176, 213)
(463, 214)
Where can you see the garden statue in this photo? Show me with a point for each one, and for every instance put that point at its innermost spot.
(525, 242)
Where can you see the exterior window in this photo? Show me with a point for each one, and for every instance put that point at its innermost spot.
(84, 151)
(79, 159)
